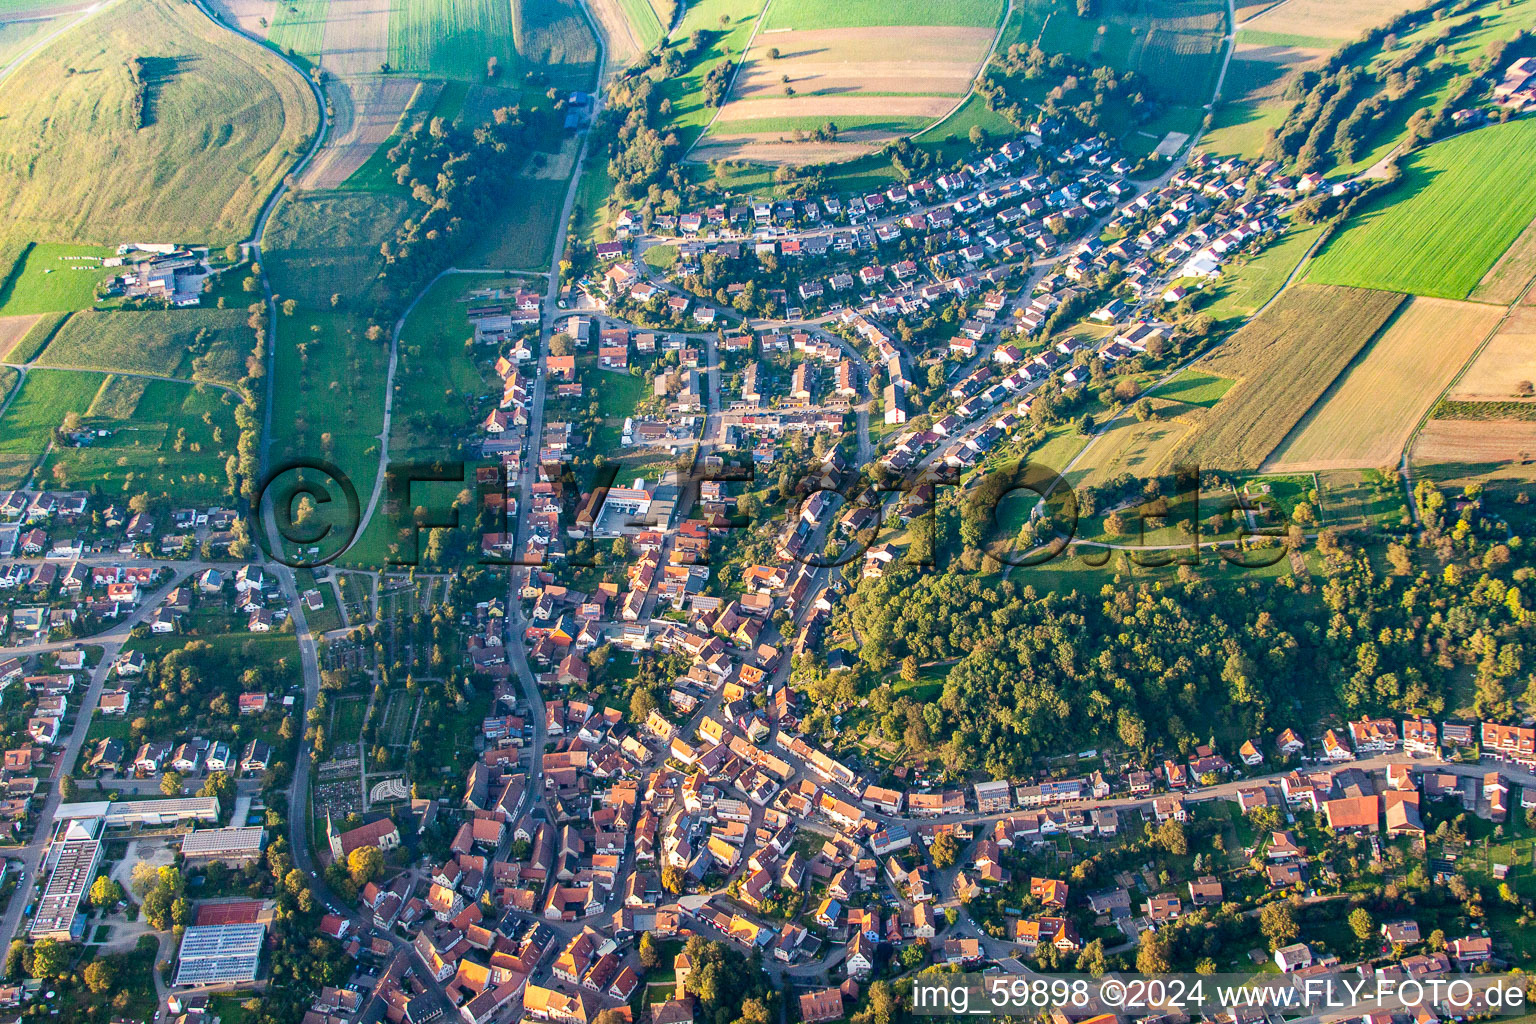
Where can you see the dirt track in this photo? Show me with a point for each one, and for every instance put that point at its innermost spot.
(835, 106)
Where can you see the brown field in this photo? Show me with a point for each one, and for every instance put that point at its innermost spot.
(1366, 415)
(1509, 358)
(1328, 19)
(248, 15)
(367, 104)
(620, 42)
(836, 106)
(935, 60)
(1274, 54)
(13, 329)
(1512, 272)
(1284, 361)
(1479, 443)
(367, 108)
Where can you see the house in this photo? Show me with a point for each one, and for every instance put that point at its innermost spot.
(1293, 958)
(1353, 813)
(821, 1005)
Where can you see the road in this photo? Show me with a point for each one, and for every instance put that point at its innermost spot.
(110, 642)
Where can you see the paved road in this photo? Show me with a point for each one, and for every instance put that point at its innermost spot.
(111, 643)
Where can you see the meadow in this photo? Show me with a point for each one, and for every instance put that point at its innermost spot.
(438, 386)
(165, 437)
(452, 38)
(1243, 289)
(1194, 387)
(727, 38)
(26, 429)
(50, 277)
(521, 234)
(1500, 369)
(803, 14)
(554, 36)
(319, 245)
(1132, 446)
(1367, 414)
(330, 405)
(202, 344)
(1283, 361)
(224, 119)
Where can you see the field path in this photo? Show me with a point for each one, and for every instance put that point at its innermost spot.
(252, 245)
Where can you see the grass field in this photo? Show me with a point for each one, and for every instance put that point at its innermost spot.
(224, 120)
(298, 28)
(452, 38)
(53, 278)
(554, 36)
(1514, 270)
(1194, 387)
(1499, 370)
(803, 14)
(1366, 415)
(1436, 232)
(521, 234)
(437, 383)
(35, 412)
(686, 91)
(201, 344)
(1129, 446)
(328, 244)
(1243, 289)
(329, 402)
(165, 437)
(1283, 361)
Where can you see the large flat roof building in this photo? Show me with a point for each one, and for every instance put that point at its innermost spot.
(74, 868)
(240, 843)
(220, 954)
(153, 813)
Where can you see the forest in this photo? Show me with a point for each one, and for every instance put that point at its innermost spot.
(1390, 627)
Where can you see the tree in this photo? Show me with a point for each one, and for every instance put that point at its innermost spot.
(672, 879)
(650, 954)
(945, 850)
(1171, 836)
(1361, 924)
(910, 671)
(1152, 955)
(978, 136)
(290, 307)
(50, 958)
(100, 975)
(170, 783)
(105, 892)
(68, 791)
(15, 959)
(1277, 922)
(773, 53)
(365, 864)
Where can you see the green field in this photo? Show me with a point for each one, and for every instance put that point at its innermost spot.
(1245, 287)
(328, 244)
(1194, 387)
(16, 36)
(165, 437)
(327, 401)
(452, 38)
(201, 344)
(35, 412)
(520, 235)
(686, 91)
(1177, 45)
(1250, 106)
(1283, 361)
(298, 28)
(554, 36)
(224, 119)
(643, 20)
(808, 14)
(52, 278)
(438, 387)
(1437, 230)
